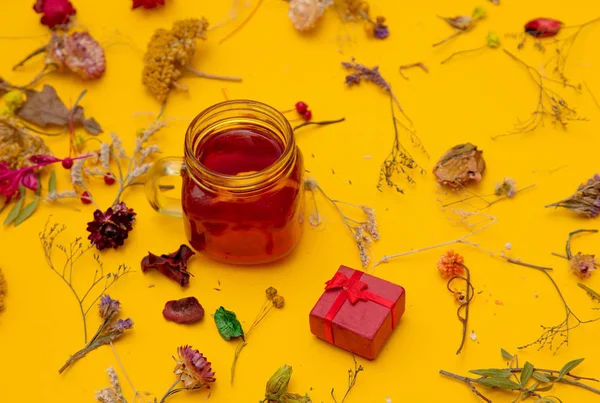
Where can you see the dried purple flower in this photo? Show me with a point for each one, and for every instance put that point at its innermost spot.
(108, 307)
(380, 30)
(110, 229)
(585, 201)
(193, 368)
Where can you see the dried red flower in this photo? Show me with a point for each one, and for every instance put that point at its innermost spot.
(185, 310)
(451, 264)
(78, 52)
(543, 27)
(67, 163)
(173, 265)
(56, 12)
(147, 4)
(110, 229)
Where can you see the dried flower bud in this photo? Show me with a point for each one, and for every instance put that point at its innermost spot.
(460, 165)
(271, 292)
(479, 13)
(462, 23)
(277, 385)
(278, 301)
(507, 187)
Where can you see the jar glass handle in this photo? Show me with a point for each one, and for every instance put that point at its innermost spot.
(170, 166)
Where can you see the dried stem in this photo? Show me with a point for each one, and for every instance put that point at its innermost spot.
(243, 22)
(322, 123)
(593, 294)
(454, 35)
(464, 305)
(488, 203)
(412, 65)
(352, 376)
(211, 76)
(571, 235)
(36, 52)
(462, 52)
(468, 381)
(170, 390)
(592, 95)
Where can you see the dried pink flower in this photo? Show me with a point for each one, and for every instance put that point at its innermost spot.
(583, 265)
(78, 52)
(193, 368)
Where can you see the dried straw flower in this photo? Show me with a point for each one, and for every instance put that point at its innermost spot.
(17, 145)
(304, 14)
(78, 52)
(583, 264)
(2, 290)
(451, 264)
(585, 201)
(193, 368)
(459, 165)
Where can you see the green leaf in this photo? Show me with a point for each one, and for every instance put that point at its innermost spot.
(14, 212)
(52, 182)
(501, 383)
(541, 377)
(569, 366)
(27, 211)
(534, 386)
(545, 388)
(227, 324)
(526, 373)
(506, 354)
(492, 373)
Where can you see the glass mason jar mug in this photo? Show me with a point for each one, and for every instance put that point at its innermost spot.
(242, 194)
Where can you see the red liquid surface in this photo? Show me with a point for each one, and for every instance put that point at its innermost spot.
(238, 228)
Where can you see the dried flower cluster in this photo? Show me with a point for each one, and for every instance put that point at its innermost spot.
(508, 187)
(460, 165)
(352, 378)
(114, 393)
(585, 201)
(580, 264)
(277, 388)
(451, 264)
(304, 14)
(364, 232)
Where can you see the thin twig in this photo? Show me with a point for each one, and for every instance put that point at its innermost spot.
(211, 76)
(420, 65)
(468, 381)
(322, 123)
(243, 22)
(454, 35)
(462, 52)
(592, 94)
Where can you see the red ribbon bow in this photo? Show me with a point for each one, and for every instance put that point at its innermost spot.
(354, 290)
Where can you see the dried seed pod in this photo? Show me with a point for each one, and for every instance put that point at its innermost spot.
(459, 165)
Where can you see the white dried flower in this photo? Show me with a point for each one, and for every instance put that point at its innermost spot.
(139, 171)
(105, 156)
(148, 151)
(77, 172)
(371, 225)
(304, 14)
(315, 219)
(117, 145)
(146, 134)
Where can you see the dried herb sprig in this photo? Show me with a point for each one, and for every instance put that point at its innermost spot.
(114, 393)
(585, 201)
(321, 123)
(363, 232)
(102, 279)
(399, 160)
(274, 300)
(420, 65)
(352, 377)
(507, 189)
(581, 264)
(531, 381)
(550, 105)
(492, 42)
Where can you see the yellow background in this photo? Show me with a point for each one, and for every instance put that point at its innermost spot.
(469, 99)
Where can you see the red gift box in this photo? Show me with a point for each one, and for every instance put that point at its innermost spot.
(357, 312)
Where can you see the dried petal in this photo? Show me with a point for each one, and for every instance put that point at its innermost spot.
(78, 52)
(173, 265)
(460, 165)
(185, 310)
(583, 265)
(543, 27)
(462, 23)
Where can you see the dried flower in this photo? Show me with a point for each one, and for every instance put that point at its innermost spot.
(462, 23)
(304, 14)
(173, 265)
(185, 310)
(380, 30)
(147, 4)
(78, 52)
(17, 146)
(585, 201)
(451, 264)
(459, 165)
(111, 228)
(278, 301)
(271, 292)
(114, 393)
(108, 307)
(56, 12)
(2, 290)
(193, 368)
(508, 187)
(543, 27)
(583, 264)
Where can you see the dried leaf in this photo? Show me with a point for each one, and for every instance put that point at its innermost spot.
(501, 383)
(52, 183)
(45, 109)
(492, 372)
(27, 211)
(14, 212)
(506, 354)
(526, 373)
(227, 324)
(570, 366)
(459, 165)
(541, 377)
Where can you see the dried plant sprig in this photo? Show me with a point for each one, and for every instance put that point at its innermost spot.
(352, 377)
(550, 105)
(420, 65)
(102, 279)
(399, 160)
(585, 201)
(492, 42)
(113, 393)
(507, 189)
(274, 300)
(581, 264)
(364, 232)
(192, 369)
(531, 382)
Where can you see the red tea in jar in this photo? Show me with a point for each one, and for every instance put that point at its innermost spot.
(242, 194)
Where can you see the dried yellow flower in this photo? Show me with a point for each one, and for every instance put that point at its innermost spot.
(17, 145)
(168, 53)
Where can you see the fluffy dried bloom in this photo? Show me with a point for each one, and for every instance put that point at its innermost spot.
(2, 290)
(193, 368)
(111, 228)
(17, 146)
(113, 394)
(507, 187)
(271, 292)
(451, 264)
(583, 265)
(362, 242)
(585, 201)
(278, 301)
(117, 145)
(459, 165)
(56, 12)
(78, 52)
(304, 14)
(105, 156)
(168, 52)
(108, 307)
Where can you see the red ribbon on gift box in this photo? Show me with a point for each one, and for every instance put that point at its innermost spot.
(353, 290)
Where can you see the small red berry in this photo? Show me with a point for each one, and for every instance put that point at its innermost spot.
(307, 115)
(67, 163)
(86, 198)
(109, 179)
(301, 107)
